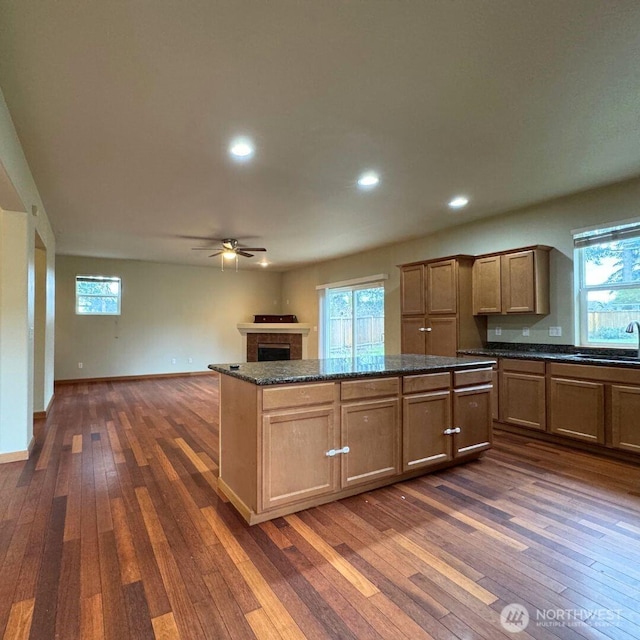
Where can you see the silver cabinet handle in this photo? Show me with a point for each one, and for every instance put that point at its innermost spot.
(335, 452)
(424, 329)
(450, 432)
(456, 430)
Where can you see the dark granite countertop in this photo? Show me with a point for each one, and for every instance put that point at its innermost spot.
(288, 371)
(558, 353)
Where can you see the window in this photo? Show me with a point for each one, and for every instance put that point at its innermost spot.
(607, 264)
(352, 318)
(98, 295)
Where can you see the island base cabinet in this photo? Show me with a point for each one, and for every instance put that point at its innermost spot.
(577, 409)
(625, 418)
(472, 420)
(295, 464)
(425, 418)
(371, 431)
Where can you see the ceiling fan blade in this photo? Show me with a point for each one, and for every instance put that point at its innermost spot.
(253, 248)
(217, 253)
(244, 253)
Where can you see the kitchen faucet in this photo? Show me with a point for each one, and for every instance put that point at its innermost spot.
(629, 329)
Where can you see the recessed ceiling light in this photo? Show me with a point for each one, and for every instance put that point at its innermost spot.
(458, 202)
(242, 148)
(368, 180)
(263, 263)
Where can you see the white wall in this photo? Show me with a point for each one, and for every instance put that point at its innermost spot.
(18, 229)
(548, 223)
(168, 311)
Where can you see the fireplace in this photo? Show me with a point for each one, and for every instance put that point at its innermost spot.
(277, 351)
(291, 336)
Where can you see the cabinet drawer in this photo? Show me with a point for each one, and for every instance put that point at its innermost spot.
(297, 395)
(374, 388)
(523, 366)
(426, 382)
(473, 376)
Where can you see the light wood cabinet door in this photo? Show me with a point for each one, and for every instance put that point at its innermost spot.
(442, 287)
(371, 430)
(413, 339)
(412, 289)
(295, 465)
(442, 339)
(518, 293)
(424, 420)
(472, 415)
(576, 409)
(487, 290)
(523, 400)
(625, 418)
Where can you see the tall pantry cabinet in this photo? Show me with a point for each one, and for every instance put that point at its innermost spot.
(436, 306)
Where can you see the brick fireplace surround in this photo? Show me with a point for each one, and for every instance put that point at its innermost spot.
(293, 334)
(294, 340)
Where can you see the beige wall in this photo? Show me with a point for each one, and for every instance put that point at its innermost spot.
(549, 223)
(168, 311)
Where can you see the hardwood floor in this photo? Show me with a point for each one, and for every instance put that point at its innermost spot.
(114, 529)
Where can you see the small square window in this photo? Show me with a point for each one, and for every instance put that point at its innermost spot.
(98, 295)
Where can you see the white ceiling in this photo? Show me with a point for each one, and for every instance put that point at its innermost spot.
(125, 110)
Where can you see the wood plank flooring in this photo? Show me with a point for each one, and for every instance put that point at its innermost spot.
(114, 529)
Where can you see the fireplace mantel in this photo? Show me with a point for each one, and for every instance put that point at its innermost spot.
(246, 328)
(274, 327)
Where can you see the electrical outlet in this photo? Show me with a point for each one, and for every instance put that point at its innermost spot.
(190, 360)
(498, 331)
(555, 332)
(173, 360)
(80, 365)
(525, 331)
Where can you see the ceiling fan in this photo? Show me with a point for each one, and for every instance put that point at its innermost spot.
(230, 249)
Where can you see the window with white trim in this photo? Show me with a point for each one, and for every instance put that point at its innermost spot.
(98, 295)
(607, 275)
(352, 318)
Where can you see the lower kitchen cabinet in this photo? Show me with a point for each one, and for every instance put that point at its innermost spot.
(576, 409)
(522, 393)
(294, 461)
(472, 419)
(625, 418)
(371, 430)
(426, 417)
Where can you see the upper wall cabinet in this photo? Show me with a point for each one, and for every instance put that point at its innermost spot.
(412, 289)
(514, 281)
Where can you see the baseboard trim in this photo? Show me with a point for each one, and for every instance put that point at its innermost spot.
(18, 456)
(42, 415)
(150, 376)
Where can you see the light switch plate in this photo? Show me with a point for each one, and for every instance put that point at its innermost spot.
(498, 331)
(555, 332)
(525, 331)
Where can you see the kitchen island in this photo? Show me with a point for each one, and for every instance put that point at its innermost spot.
(298, 433)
